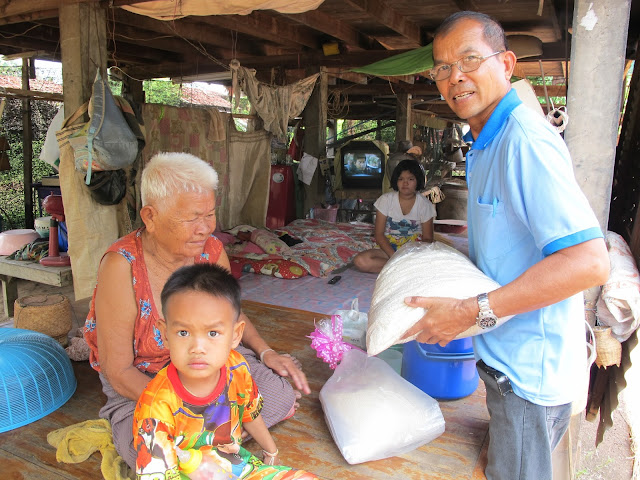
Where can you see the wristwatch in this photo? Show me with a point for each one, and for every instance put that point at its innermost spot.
(486, 318)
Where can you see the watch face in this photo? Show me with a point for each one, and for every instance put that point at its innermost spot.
(487, 322)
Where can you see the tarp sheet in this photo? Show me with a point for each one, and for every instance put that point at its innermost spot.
(170, 9)
(407, 63)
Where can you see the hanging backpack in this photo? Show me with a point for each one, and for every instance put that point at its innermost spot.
(105, 142)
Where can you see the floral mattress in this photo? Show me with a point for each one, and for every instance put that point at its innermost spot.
(322, 248)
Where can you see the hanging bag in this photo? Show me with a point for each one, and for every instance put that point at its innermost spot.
(105, 142)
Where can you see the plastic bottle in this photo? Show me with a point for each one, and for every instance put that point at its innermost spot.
(201, 467)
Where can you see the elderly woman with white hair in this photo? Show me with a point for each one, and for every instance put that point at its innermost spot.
(178, 198)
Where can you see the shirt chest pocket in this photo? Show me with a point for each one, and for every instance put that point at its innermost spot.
(491, 229)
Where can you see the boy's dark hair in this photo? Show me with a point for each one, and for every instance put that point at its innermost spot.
(411, 166)
(493, 32)
(203, 277)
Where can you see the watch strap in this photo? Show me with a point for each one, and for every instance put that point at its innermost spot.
(486, 318)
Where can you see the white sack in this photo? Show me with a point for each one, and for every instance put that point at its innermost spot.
(619, 302)
(374, 413)
(425, 270)
(50, 152)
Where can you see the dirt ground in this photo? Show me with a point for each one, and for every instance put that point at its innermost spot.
(613, 459)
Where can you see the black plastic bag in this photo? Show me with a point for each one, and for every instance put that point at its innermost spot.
(108, 187)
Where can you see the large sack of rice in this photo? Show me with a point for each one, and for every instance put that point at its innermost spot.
(425, 270)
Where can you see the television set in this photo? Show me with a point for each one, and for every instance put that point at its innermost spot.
(362, 165)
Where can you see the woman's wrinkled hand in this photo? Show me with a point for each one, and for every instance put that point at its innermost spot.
(286, 365)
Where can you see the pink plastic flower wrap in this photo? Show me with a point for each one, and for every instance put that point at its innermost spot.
(327, 341)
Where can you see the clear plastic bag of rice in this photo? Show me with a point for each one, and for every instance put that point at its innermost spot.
(425, 270)
(374, 413)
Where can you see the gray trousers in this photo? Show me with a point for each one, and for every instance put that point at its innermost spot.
(522, 435)
(277, 392)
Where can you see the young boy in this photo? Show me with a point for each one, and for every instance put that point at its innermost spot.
(203, 398)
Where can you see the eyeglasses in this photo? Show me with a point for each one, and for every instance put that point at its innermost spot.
(466, 64)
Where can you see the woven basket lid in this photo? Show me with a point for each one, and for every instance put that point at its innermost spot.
(48, 314)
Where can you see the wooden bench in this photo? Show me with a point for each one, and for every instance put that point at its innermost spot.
(12, 270)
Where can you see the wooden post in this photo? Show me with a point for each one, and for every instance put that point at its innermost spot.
(133, 90)
(91, 227)
(598, 49)
(404, 128)
(27, 145)
(83, 44)
(315, 136)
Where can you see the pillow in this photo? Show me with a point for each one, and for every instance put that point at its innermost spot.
(244, 248)
(240, 228)
(279, 268)
(269, 242)
(225, 238)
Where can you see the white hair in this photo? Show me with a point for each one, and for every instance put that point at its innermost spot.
(171, 173)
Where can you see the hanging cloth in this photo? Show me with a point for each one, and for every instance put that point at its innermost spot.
(407, 63)
(275, 105)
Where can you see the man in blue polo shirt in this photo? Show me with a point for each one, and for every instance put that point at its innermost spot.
(532, 230)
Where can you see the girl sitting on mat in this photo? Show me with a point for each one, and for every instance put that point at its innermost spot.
(402, 216)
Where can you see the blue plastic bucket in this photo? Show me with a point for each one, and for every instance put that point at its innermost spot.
(442, 376)
(461, 345)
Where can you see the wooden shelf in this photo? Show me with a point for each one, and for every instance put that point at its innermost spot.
(365, 194)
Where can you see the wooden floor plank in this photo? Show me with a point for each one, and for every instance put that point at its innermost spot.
(304, 440)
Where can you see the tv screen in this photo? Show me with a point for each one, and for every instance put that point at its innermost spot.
(362, 165)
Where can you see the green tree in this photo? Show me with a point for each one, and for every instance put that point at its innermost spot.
(12, 181)
(162, 91)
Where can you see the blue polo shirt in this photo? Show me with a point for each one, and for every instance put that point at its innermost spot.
(525, 204)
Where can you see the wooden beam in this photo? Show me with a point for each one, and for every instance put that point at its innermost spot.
(384, 13)
(30, 54)
(148, 38)
(35, 32)
(552, 90)
(32, 94)
(398, 78)
(11, 8)
(386, 89)
(189, 30)
(28, 17)
(266, 27)
(28, 44)
(333, 27)
(141, 54)
(343, 74)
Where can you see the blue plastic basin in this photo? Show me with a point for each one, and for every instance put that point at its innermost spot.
(442, 376)
(461, 345)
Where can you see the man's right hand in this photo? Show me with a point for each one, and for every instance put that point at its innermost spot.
(444, 320)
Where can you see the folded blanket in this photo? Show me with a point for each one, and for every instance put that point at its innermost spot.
(78, 442)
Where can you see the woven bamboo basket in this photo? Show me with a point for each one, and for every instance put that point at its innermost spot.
(608, 349)
(48, 314)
